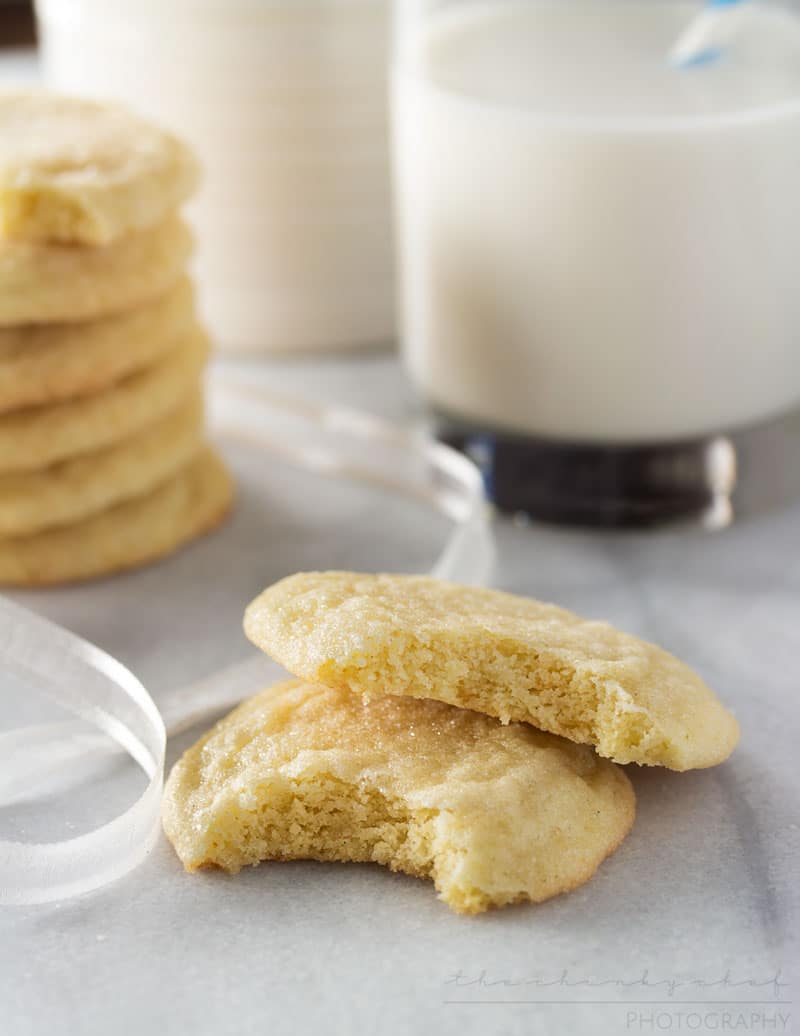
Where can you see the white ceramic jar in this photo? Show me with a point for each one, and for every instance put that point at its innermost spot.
(285, 102)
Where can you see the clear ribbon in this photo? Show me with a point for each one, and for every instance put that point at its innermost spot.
(99, 691)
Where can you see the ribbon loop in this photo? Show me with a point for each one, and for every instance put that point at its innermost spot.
(97, 689)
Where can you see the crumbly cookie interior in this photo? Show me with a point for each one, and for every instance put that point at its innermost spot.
(492, 814)
(511, 657)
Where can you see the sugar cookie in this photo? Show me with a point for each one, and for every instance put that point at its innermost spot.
(73, 489)
(40, 436)
(493, 814)
(193, 501)
(47, 363)
(81, 172)
(507, 656)
(40, 284)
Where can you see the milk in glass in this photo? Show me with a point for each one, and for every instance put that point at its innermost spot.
(597, 246)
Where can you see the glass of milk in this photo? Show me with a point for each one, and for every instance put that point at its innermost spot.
(600, 253)
(286, 103)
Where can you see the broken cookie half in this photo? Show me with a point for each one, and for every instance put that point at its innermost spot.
(509, 657)
(493, 814)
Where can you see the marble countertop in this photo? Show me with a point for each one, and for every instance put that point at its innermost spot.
(690, 926)
(695, 913)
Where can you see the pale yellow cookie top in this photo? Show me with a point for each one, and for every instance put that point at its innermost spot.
(494, 813)
(80, 172)
(507, 656)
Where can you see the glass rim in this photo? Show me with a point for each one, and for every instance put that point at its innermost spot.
(736, 116)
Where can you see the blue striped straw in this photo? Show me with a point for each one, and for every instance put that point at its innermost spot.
(707, 36)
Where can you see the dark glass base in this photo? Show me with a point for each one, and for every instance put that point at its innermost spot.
(711, 480)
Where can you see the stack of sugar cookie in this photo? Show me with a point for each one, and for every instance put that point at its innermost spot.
(103, 462)
(453, 733)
